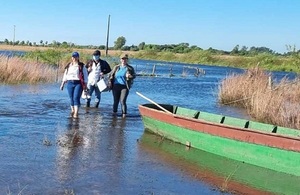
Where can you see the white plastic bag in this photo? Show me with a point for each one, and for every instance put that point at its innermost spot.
(103, 85)
(85, 94)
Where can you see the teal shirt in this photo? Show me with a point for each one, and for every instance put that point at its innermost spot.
(120, 76)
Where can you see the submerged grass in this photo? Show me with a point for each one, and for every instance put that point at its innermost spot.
(266, 102)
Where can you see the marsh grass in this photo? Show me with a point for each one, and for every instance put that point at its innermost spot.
(276, 104)
(16, 70)
(225, 184)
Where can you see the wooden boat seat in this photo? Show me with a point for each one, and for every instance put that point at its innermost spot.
(237, 122)
(214, 118)
(287, 131)
(261, 126)
(186, 112)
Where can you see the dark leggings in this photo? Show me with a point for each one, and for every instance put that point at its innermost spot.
(120, 93)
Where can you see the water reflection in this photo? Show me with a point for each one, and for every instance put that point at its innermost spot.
(225, 174)
(116, 136)
(67, 146)
(92, 141)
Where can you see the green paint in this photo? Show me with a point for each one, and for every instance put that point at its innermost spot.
(288, 131)
(186, 112)
(231, 170)
(214, 118)
(236, 122)
(259, 155)
(267, 128)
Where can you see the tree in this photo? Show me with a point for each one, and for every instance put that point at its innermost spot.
(101, 47)
(134, 48)
(243, 50)
(125, 48)
(141, 46)
(195, 47)
(235, 50)
(120, 42)
(64, 44)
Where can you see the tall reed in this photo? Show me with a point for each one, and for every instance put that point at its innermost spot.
(252, 90)
(15, 70)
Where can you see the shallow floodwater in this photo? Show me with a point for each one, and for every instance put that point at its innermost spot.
(43, 151)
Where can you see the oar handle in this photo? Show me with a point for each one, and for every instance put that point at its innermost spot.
(156, 104)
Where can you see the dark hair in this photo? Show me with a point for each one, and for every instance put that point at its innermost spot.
(97, 53)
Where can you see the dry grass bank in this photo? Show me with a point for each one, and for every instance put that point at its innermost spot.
(276, 104)
(16, 70)
(21, 48)
(84, 51)
(33, 70)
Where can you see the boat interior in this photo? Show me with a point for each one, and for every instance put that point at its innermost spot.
(227, 120)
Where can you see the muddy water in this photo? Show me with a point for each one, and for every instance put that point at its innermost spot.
(43, 151)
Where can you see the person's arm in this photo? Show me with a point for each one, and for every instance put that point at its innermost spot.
(105, 67)
(131, 73)
(85, 74)
(64, 80)
(111, 76)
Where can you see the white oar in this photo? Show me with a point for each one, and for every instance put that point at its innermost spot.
(156, 104)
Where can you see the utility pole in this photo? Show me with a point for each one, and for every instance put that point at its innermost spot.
(107, 36)
(14, 34)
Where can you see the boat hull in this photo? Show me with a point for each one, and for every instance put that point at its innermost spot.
(225, 173)
(266, 150)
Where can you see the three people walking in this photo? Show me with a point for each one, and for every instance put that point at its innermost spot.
(79, 77)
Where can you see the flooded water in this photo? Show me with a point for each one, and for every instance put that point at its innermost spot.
(43, 151)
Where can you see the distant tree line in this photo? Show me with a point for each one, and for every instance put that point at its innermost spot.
(120, 44)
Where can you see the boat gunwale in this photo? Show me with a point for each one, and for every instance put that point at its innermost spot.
(237, 128)
(234, 128)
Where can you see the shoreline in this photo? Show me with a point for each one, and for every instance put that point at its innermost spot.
(85, 51)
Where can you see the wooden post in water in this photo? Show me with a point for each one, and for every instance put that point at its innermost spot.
(197, 72)
(171, 70)
(153, 70)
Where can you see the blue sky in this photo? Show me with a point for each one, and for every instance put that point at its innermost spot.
(220, 24)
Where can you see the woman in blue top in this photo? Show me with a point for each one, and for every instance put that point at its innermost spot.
(121, 80)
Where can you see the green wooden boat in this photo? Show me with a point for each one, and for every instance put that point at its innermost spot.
(264, 145)
(223, 173)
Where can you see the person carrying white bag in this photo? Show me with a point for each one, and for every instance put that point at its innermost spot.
(97, 68)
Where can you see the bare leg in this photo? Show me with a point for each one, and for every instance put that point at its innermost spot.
(75, 115)
(72, 111)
